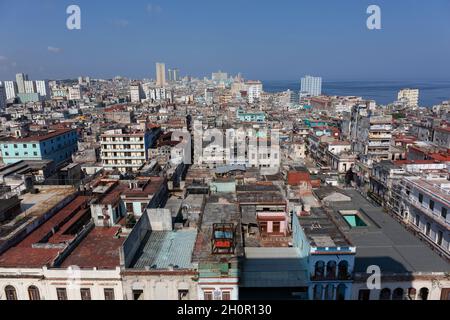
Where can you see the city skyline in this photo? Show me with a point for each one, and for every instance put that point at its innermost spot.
(334, 43)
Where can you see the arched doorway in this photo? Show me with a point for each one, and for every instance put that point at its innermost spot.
(10, 293)
(423, 294)
(385, 294)
(398, 294)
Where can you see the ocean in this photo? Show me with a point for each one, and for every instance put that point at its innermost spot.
(383, 92)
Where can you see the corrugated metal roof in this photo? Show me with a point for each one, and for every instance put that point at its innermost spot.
(161, 249)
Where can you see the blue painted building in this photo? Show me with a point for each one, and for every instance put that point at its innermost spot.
(56, 145)
(251, 116)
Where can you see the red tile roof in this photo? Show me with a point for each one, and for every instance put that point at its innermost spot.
(100, 249)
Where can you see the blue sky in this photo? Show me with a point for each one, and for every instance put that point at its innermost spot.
(268, 40)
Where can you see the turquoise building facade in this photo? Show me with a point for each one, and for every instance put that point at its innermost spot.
(58, 146)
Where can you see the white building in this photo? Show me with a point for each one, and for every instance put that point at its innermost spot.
(30, 86)
(11, 89)
(75, 93)
(409, 96)
(219, 76)
(136, 92)
(43, 88)
(311, 86)
(254, 90)
(60, 284)
(425, 207)
(126, 150)
(160, 74)
(20, 79)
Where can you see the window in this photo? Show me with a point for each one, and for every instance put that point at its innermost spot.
(129, 207)
(138, 294)
(208, 295)
(417, 220)
(226, 295)
(420, 197)
(33, 293)
(319, 269)
(364, 295)
(6, 153)
(276, 227)
(444, 213)
(331, 270)
(431, 205)
(61, 293)
(318, 292)
(10, 293)
(35, 153)
(85, 294)
(25, 146)
(34, 145)
(343, 270)
(428, 229)
(15, 146)
(109, 294)
(183, 294)
(340, 292)
(439, 238)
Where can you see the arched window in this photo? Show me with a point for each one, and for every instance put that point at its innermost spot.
(10, 293)
(33, 293)
(423, 294)
(319, 269)
(385, 294)
(398, 294)
(329, 292)
(331, 270)
(318, 291)
(340, 292)
(412, 294)
(343, 270)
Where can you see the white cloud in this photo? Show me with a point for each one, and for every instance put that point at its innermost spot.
(153, 8)
(121, 23)
(54, 49)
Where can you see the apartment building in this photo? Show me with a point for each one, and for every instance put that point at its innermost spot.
(126, 149)
(56, 145)
(425, 206)
(410, 97)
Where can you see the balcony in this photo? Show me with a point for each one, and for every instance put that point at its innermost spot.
(380, 136)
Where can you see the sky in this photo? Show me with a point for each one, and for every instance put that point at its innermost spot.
(266, 40)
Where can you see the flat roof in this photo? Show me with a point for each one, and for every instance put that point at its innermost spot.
(385, 242)
(100, 249)
(37, 137)
(51, 235)
(273, 267)
(162, 249)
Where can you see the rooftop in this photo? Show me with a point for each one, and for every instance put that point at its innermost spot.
(164, 249)
(100, 249)
(37, 137)
(384, 242)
